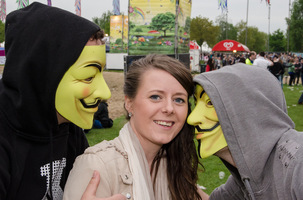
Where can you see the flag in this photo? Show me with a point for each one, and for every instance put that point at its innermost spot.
(116, 5)
(267, 2)
(222, 5)
(49, 2)
(78, 7)
(3, 10)
(22, 3)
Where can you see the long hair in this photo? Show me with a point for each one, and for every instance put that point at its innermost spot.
(181, 155)
(211, 64)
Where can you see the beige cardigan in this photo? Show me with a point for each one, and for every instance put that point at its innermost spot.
(111, 160)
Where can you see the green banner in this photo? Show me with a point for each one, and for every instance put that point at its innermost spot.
(153, 27)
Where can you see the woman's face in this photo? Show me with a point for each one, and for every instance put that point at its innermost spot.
(159, 109)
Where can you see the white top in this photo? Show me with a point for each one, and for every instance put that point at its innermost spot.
(262, 62)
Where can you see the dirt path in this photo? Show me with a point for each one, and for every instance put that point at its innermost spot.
(115, 81)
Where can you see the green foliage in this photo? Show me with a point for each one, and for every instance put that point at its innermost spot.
(227, 30)
(163, 22)
(277, 41)
(296, 26)
(2, 28)
(201, 29)
(104, 21)
(256, 40)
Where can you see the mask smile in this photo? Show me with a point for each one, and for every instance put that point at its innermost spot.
(91, 105)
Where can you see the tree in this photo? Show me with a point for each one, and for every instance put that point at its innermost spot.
(163, 22)
(256, 40)
(296, 26)
(277, 41)
(2, 27)
(104, 21)
(227, 30)
(201, 29)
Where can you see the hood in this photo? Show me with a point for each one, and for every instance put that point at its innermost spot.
(252, 111)
(42, 42)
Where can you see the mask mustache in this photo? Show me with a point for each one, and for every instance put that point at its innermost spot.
(90, 106)
(207, 130)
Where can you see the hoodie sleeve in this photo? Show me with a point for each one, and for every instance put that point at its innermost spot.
(229, 190)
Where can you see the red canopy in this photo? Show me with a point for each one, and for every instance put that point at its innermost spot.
(230, 45)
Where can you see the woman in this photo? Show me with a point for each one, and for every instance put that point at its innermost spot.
(210, 65)
(154, 156)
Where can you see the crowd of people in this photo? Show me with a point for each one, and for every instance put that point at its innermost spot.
(287, 68)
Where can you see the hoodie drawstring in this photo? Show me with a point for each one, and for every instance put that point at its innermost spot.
(248, 187)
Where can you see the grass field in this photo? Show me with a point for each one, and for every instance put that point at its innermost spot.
(213, 165)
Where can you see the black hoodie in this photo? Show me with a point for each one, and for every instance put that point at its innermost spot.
(41, 44)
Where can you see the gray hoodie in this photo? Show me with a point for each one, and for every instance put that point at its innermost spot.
(266, 148)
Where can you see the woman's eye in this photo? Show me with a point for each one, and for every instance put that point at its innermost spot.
(155, 97)
(179, 100)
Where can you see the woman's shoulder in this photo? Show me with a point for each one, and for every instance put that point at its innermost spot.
(107, 150)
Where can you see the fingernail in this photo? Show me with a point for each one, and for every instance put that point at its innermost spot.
(94, 174)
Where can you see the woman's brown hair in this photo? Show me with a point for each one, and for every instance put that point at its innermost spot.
(182, 159)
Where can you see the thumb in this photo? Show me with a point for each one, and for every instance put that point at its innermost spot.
(90, 192)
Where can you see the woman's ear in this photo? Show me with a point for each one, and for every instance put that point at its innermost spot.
(128, 104)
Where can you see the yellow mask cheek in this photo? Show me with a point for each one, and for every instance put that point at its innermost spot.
(82, 87)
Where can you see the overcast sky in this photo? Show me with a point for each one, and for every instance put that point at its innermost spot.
(237, 10)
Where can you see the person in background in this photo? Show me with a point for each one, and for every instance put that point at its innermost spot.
(154, 156)
(242, 60)
(51, 87)
(241, 116)
(101, 118)
(297, 71)
(291, 72)
(277, 69)
(251, 57)
(210, 65)
(263, 62)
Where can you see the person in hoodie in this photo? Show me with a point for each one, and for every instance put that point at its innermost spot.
(241, 117)
(51, 87)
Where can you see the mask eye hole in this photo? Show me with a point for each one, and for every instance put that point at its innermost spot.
(209, 103)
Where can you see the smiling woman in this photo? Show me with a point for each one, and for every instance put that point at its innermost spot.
(154, 146)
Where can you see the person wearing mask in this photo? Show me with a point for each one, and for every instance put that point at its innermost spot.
(154, 156)
(51, 87)
(241, 117)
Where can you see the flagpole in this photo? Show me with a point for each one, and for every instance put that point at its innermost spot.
(268, 26)
(246, 22)
(288, 28)
(226, 22)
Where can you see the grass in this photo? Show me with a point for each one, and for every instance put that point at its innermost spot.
(213, 165)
